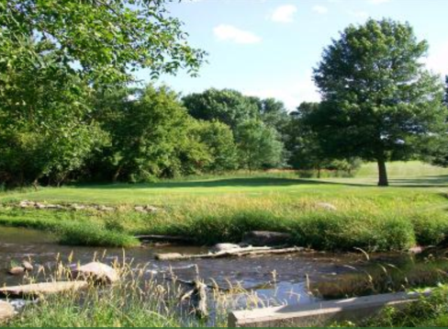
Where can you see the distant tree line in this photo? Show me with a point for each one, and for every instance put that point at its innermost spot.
(68, 111)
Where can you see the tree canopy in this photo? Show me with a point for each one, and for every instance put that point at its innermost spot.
(54, 55)
(379, 103)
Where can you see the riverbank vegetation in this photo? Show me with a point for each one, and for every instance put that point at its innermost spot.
(137, 300)
(213, 210)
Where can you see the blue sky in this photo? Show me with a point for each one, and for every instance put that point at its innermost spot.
(268, 48)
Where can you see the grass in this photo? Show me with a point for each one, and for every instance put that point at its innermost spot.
(139, 301)
(427, 312)
(221, 209)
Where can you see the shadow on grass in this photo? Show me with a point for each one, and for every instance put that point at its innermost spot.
(424, 182)
(214, 183)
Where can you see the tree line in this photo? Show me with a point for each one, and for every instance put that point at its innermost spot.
(70, 109)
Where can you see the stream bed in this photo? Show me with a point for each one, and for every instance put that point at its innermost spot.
(278, 279)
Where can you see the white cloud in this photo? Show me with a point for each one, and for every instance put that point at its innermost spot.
(292, 94)
(322, 10)
(437, 59)
(232, 33)
(378, 2)
(284, 14)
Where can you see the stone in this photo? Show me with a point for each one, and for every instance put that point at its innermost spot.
(26, 204)
(168, 256)
(97, 272)
(77, 207)
(326, 206)
(416, 250)
(54, 206)
(150, 209)
(105, 208)
(16, 270)
(27, 266)
(140, 209)
(39, 205)
(42, 289)
(266, 238)
(145, 209)
(6, 311)
(225, 247)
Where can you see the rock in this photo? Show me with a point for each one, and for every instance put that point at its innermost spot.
(150, 209)
(168, 256)
(42, 289)
(27, 266)
(105, 208)
(140, 209)
(54, 206)
(224, 247)
(16, 270)
(6, 311)
(326, 206)
(77, 207)
(145, 209)
(416, 250)
(26, 204)
(266, 238)
(97, 272)
(39, 205)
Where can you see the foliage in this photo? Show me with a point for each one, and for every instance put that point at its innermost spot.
(53, 55)
(272, 112)
(44, 125)
(100, 40)
(219, 140)
(305, 150)
(378, 101)
(227, 106)
(259, 146)
(150, 135)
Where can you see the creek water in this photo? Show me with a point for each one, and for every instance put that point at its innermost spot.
(280, 278)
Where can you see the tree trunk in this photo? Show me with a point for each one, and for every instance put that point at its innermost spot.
(117, 173)
(382, 172)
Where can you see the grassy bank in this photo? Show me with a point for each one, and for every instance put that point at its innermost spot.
(412, 211)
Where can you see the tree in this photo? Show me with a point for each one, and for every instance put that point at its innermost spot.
(446, 91)
(379, 103)
(218, 138)
(53, 54)
(101, 39)
(150, 135)
(227, 106)
(44, 126)
(303, 145)
(259, 146)
(272, 112)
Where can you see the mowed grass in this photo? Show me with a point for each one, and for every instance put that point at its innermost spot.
(414, 210)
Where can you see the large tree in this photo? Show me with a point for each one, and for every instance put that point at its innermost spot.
(379, 103)
(53, 54)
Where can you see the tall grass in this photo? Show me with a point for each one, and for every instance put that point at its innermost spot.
(222, 209)
(364, 218)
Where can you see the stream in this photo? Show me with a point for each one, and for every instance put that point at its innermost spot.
(276, 278)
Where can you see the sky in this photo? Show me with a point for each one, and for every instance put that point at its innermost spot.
(268, 48)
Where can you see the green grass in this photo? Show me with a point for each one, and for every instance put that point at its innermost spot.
(221, 209)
